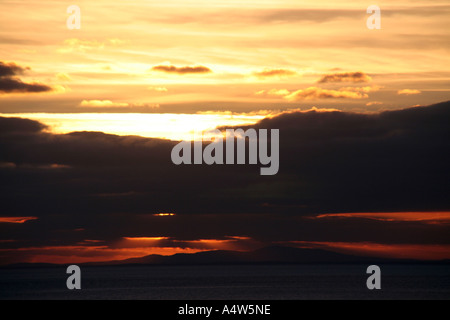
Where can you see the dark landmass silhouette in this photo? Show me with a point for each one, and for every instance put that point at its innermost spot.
(267, 255)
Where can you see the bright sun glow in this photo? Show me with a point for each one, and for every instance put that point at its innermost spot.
(153, 125)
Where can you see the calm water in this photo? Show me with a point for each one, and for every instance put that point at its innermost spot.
(261, 282)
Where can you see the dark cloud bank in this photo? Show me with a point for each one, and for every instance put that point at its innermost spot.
(10, 83)
(106, 186)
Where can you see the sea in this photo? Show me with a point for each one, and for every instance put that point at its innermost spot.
(228, 282)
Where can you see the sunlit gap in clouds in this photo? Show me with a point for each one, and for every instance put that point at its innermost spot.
(146, 238)
(169, 126)
(164, 214)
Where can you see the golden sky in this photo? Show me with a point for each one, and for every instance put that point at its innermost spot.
(240, 56)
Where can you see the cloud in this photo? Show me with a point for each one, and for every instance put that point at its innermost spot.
(404, 251)
(20, 126)
(102, 104)
(367, 89)
(374, 103)
(408, 92)
(330, 162)
(312, 93)
(389, 140)
(62, 76)
(319, 93)
(275, 73)
(345, 77)
(16, 219)
(11, 69)
(111, 104)
(182, 70)
(74, 44)
(158, 89)
(422, 217)
(274, 92)
(11, 84)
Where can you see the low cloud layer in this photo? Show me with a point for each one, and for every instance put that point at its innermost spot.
(315, 93)
(319, 93)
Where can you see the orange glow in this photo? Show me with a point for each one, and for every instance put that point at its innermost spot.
(239, 238)
(398, 251)
(16, 219)
(232, 243)
(210, 243)
(145, 238)
(213, 244)
(83, 254)
(164, 214)
(124, 248)
(426, 217)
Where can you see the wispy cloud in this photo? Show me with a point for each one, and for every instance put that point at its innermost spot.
(345, 77)
(158, 89)
(312, 93)
(111, 104)
(103, 104)
(16, 219)
(62, 76)
(266, 73)
(403, 251)
(408, 92)
(181, 70)
(424, 217)
(374, 103)
(274, 92)
(80, 45)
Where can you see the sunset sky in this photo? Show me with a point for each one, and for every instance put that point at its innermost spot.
(85, 173)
